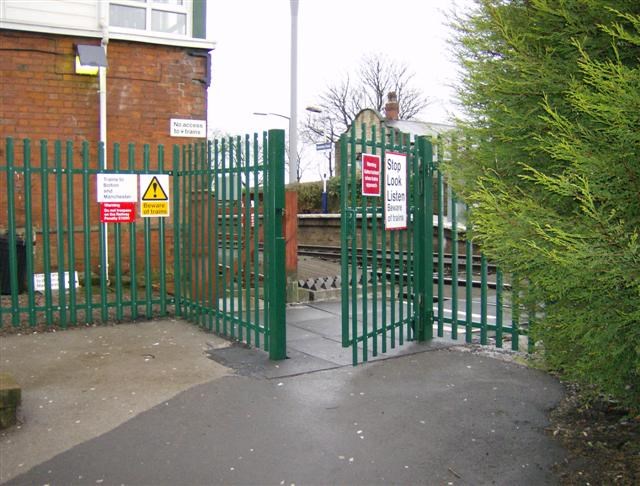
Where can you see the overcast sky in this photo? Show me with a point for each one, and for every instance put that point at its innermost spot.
(251, 60)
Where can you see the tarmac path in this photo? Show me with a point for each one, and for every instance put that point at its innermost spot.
(437, 416)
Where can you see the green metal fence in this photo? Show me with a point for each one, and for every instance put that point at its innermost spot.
(60, 266)
(230, 207)
(473, 297)
(57, 249)
(425, 280)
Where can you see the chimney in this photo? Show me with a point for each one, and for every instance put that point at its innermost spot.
(391, 108)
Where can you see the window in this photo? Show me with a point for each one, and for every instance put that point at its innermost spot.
(170, 22)
(165, 16)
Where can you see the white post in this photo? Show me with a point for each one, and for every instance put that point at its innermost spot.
(293, 118)
(102, 74)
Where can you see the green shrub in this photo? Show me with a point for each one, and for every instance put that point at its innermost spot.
(550, 166)
(309, 197)
(334, 188)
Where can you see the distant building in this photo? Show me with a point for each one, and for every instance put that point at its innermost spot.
(394, 128)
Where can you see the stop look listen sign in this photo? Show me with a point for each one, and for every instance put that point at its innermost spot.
(395, 191)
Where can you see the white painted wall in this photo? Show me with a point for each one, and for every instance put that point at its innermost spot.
(75, 15)
(78, 18)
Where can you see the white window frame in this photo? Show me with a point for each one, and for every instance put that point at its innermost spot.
(150, 5)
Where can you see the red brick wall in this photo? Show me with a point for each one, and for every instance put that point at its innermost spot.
(147, 84)
(42, 98)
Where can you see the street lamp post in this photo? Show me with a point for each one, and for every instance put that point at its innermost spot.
(260, 113)
(293, 140)
(293, 145)
(293, 119)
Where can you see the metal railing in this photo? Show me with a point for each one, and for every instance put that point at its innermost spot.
(61, 266)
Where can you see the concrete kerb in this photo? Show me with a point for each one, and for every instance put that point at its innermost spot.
(10, 396)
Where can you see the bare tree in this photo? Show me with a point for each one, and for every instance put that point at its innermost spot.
(321, 128)
(303, 162)
(368, 87)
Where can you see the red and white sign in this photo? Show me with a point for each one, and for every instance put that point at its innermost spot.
(117, 212)
(371, 175)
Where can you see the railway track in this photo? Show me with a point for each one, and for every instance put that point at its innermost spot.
(393, 264)
(334, 253)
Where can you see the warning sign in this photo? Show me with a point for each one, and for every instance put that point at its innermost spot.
(118, 212)
(395, 192)
(370, 175)
(154, 191)
(154, 199)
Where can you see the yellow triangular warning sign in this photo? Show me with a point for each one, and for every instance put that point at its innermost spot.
(154, 192)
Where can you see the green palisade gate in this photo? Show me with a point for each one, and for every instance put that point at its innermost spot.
(400, 285)
(231, 204)
(383, 294)
(218, 259)
(203, 263)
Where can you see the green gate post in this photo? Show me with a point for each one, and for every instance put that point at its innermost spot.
(425, 230)
(275, 248)
(11, 240)
(418, 242)
(344, 258)
(177, 232)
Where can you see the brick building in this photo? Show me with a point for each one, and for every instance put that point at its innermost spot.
(158, 68)
(157, 55)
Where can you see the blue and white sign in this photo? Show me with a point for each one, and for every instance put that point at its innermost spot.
(320, 147)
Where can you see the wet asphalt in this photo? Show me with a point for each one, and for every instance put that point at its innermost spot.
(437, 414)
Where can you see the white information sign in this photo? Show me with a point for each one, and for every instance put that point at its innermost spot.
(117, 187)
(395, 191)
(39, 281)
(181, 127)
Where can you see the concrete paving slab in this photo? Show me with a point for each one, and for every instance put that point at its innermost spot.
(332, 307)
(301, 313)
(295, 333)
(255, 362)
(330, 327)
(325, 348)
